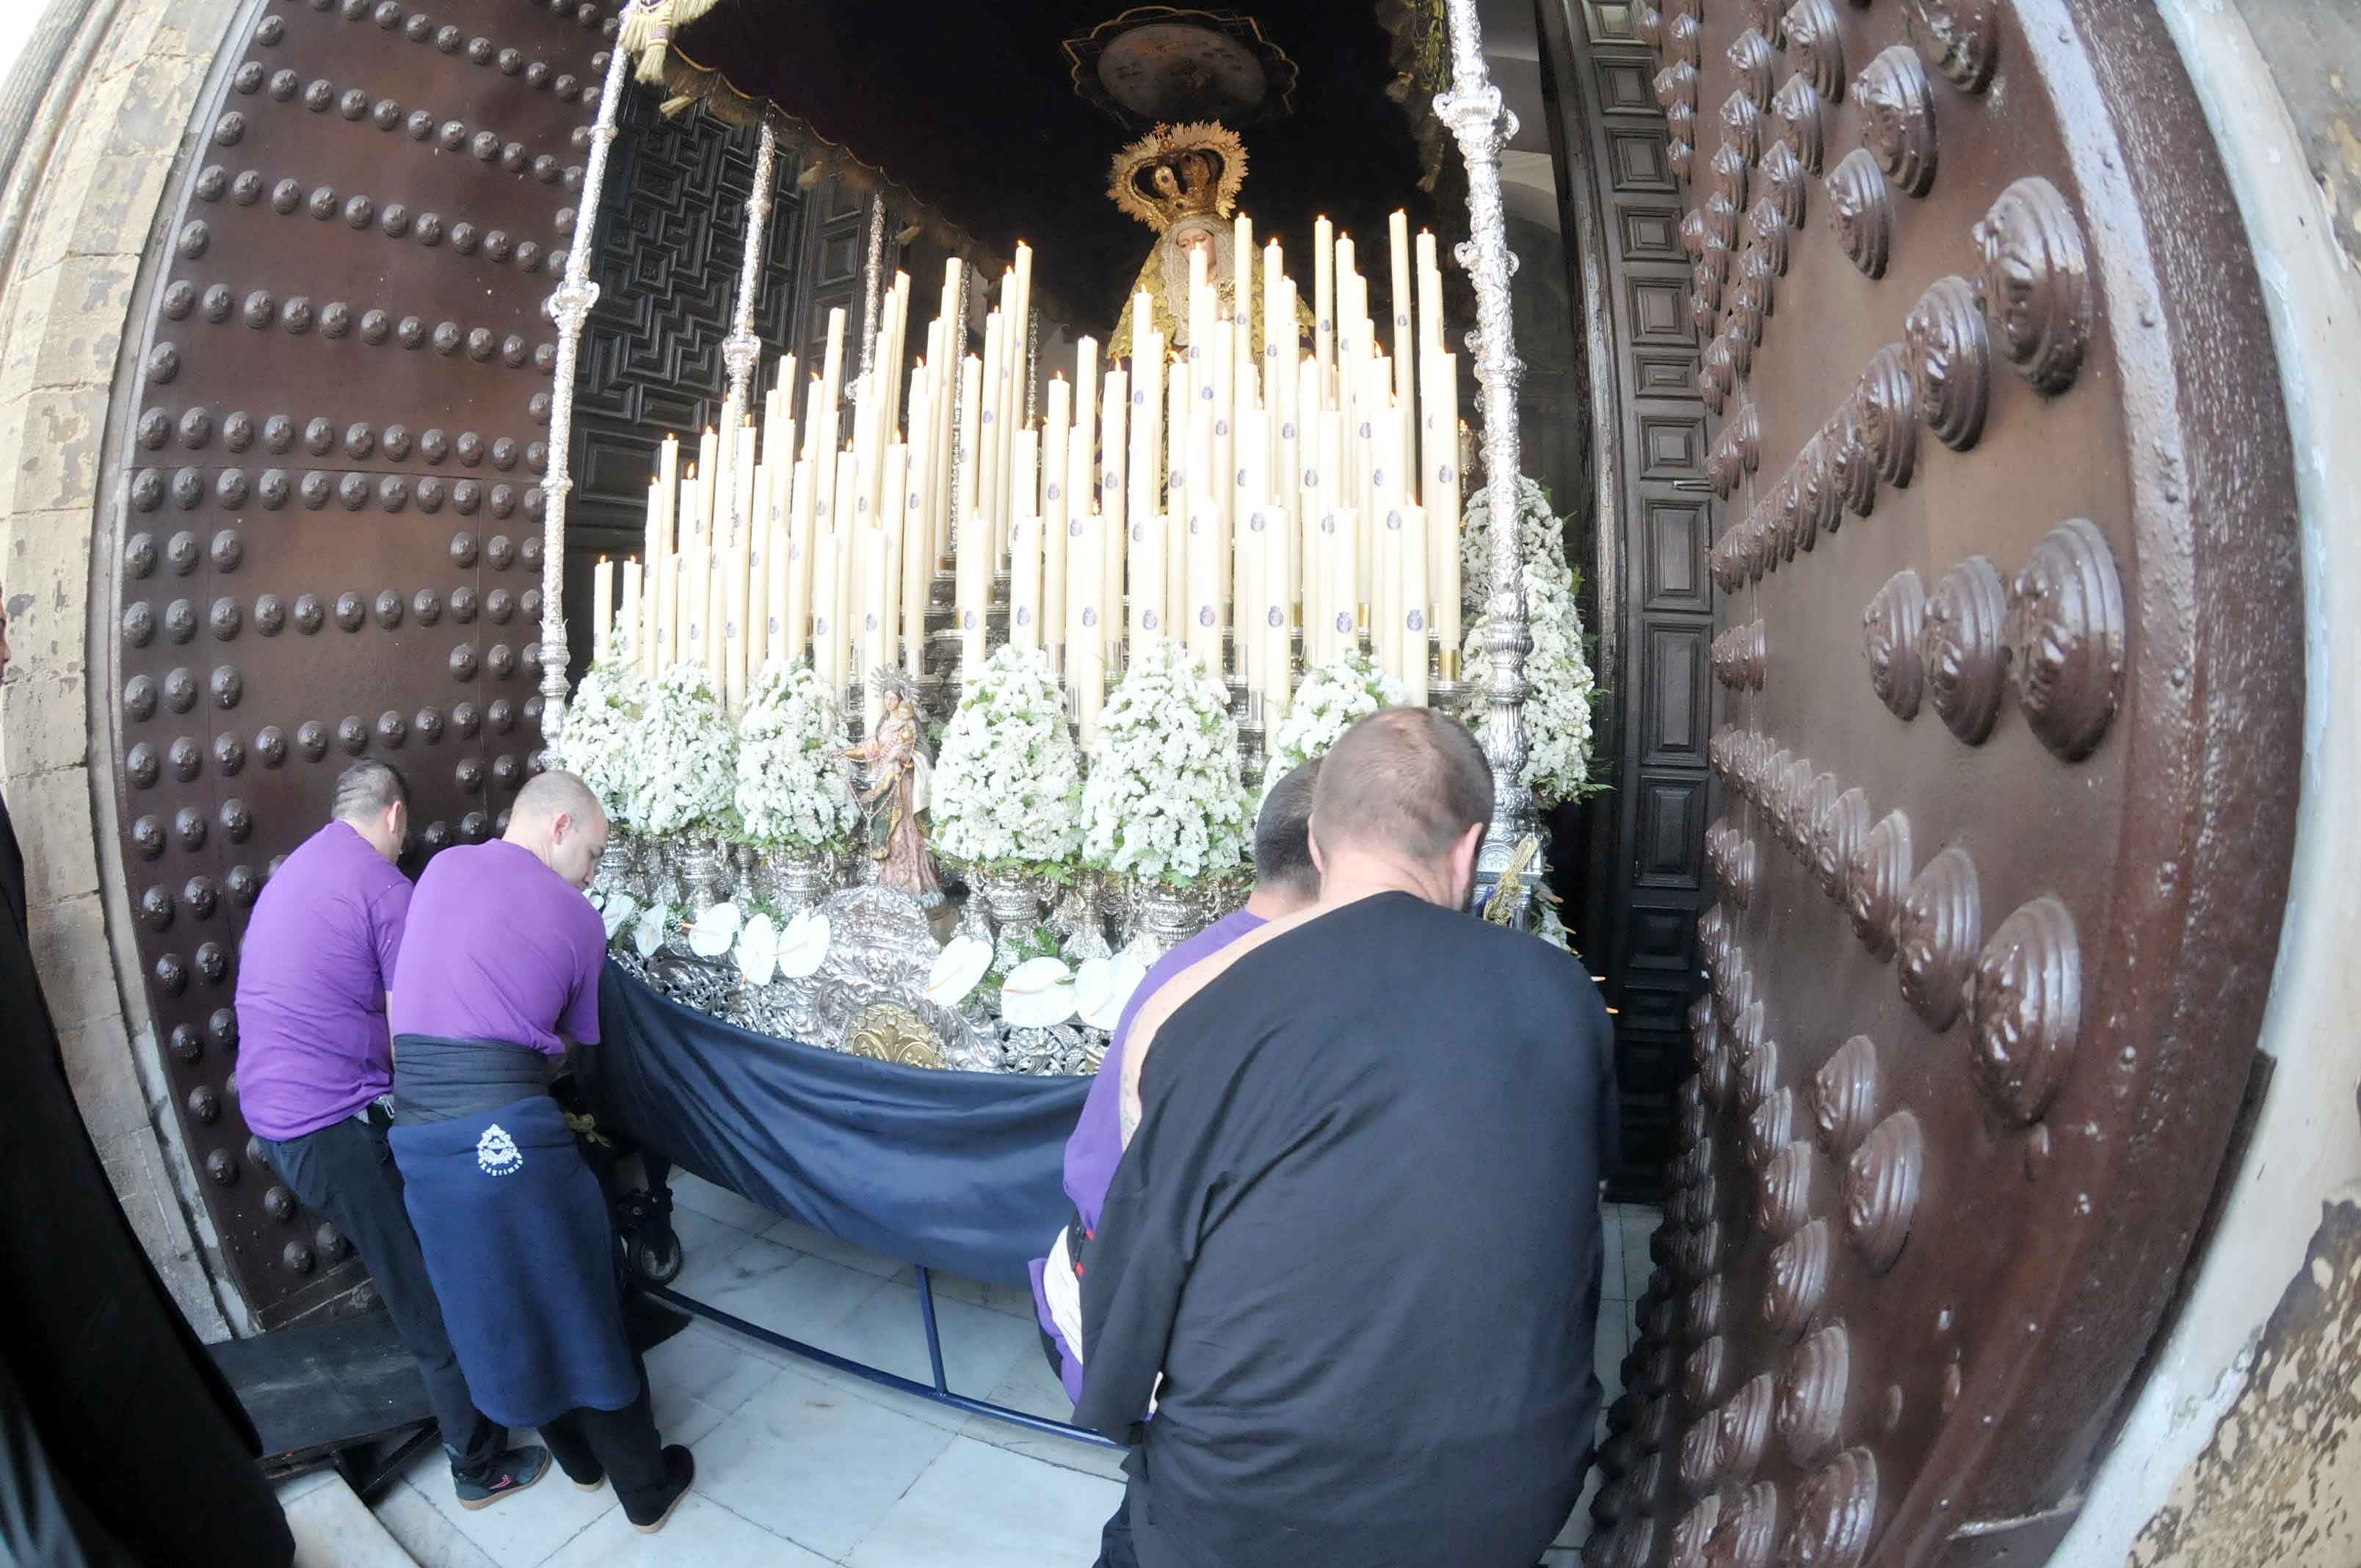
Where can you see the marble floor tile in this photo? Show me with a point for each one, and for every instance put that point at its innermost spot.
(706, 1243)
(781, 1289)
(333, 1528)
(1614, 1284)
(1637, 1225)
(1577, 1523)
(719, 1202)
(425, 1532)
(1017, 1300)
(700, 1531)
(1612, 1347)
(820, 1244)
(807, 1461)
(982, 1507)
(704, 1365)
(980, 1346)
(518, 1531)
(1032, 1387)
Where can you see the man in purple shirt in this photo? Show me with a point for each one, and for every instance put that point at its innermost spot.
(1285, 881)
(315, 1069)
(499, 976)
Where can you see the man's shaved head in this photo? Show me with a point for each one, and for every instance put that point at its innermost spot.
(1404, 781)
(1283, 844)
(545, 794)
(558, 817)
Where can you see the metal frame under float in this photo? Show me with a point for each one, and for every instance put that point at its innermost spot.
(940, 1392)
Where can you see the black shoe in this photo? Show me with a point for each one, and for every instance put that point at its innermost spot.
(590, 1483)
(511, 1472)
(680, 1469)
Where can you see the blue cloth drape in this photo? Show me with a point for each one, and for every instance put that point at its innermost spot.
(960, 1171)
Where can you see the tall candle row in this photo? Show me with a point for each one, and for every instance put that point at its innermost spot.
(1259, 482)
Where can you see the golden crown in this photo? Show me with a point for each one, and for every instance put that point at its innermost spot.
(1180, 171)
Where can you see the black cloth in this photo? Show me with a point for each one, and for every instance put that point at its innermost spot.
(522, 1251)
(1358, 1232)
(620, 1445)
(439, 1079)
(345, 1171)
(1116, 1549)
(119, 1441)
(960, 1171)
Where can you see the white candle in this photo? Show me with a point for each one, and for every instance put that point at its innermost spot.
(990, 487)
(844, 574)
(827, 640)
(1086, 619)
(695, 571)
(1413, 598)
(1251, 497)
(1025, 562)
(895, 485)
(1324, 304)
(758, 574)
(666, 590)
(1340, 589)
(1344, 551)
(972, 551)
(602, 597)
(1398, 235)
(1205, 590)
(1307, 559)
(1274, 662)
(917, 532)
(650, 549)
(1056, 437)
(632, 651)
(821, 416)
(1242, 271)
(1430, 295)
(1442, 487)
(1113, 533)
(872, 627)
(803, 544)
(1176, 494)
(778, 640)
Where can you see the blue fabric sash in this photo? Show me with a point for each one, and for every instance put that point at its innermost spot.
(523, 1258)
(960, 1171)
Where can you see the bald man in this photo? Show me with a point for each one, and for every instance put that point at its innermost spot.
(499, 971)
(1351, 1256)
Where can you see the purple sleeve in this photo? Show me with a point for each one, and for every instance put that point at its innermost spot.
(579, 1023)
(389, 914)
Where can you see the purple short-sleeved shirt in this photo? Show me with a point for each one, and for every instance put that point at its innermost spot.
(500, 947)
(1096, 1147)
(311, 977)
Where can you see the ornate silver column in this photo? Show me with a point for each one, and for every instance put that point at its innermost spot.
(872, 281)
(742, 350)
(570, 307)
(1483, 125)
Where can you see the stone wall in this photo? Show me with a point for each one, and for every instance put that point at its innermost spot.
(82, 198)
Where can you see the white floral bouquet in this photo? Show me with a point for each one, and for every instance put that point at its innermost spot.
(600, 741)
(1347, 688)
(1165, 802)
(686, 776)
(1559, 683)
(792, 786)
(1008, 783)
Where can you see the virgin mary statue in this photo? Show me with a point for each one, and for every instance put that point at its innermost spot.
(1183, 182)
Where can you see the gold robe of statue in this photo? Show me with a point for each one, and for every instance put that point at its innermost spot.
(1183, 182)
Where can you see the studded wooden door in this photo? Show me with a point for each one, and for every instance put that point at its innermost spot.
(329, 534)
(1656, 519)
(2009, 686)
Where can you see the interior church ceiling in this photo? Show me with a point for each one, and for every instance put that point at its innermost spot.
(977, 110)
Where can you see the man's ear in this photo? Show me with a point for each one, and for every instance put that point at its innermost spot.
(1463, 854)
(1312, 834)
(560, 827)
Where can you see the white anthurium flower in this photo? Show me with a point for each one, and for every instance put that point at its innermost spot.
(958, 969)
(804, 946)
(1102, 987)
(649, 934)
(758, 949)
(714, 930)
(618, 912)
(1037, 994)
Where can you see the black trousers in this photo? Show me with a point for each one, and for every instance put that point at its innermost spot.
(623, 1444)
(347, 1172)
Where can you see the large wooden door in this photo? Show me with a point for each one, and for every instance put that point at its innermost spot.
(2007, 683)
(329, 533)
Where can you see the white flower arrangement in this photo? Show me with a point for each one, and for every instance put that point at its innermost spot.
(1008, 785)
(687, 775)
(1331, 698)
(1165, 802)
(792, 787)
(600, 741)
(1557, 673)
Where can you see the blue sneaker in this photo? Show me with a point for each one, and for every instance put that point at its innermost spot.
(511, 1473)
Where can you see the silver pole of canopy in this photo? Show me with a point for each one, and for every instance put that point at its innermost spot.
(570, 307)
(1483, 126)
